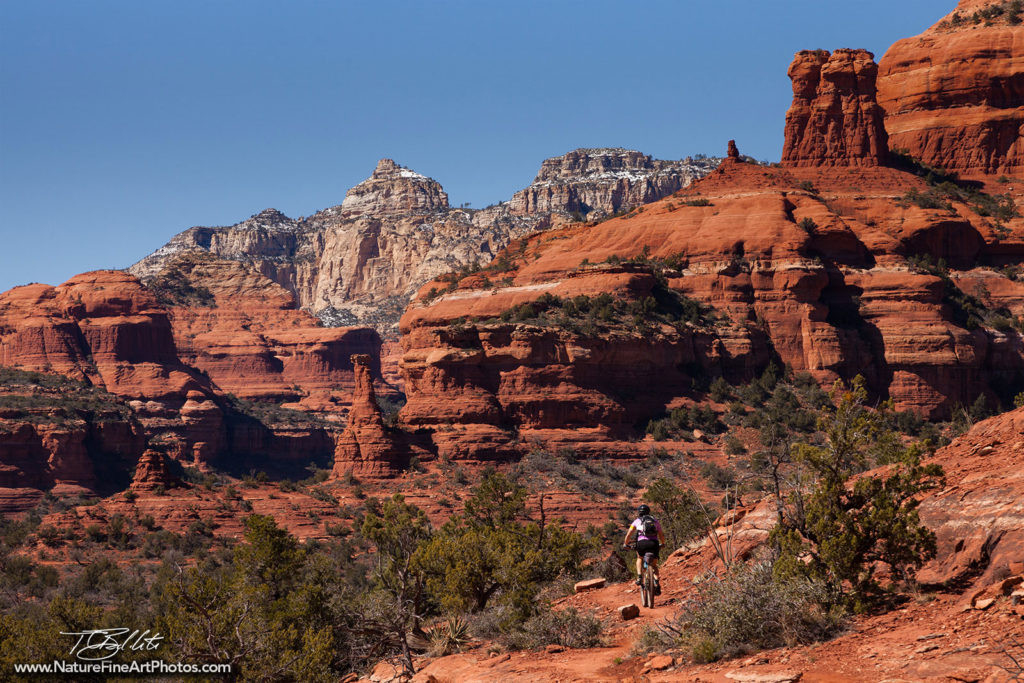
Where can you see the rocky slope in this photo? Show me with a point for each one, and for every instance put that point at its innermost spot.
(359, 262)
(962, 627)
(831, 264)
(954, 95)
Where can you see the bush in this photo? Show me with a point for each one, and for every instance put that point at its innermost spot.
(720, 391)
(568, 628)
(733, 446)
(846, 525)
(750, 609)
(678, 510)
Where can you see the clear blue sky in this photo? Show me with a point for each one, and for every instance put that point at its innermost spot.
(125, 122)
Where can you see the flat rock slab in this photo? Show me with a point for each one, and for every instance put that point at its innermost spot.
(588, 585)
(628, 612)
(764, 676)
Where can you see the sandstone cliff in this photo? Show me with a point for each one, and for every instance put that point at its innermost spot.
(243, 331)
(359, 263)
(954, 95)
(818, 269)
(61, 435)
(233, 325)
(835, 119)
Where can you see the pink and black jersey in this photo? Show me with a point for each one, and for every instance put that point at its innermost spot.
(639, 526)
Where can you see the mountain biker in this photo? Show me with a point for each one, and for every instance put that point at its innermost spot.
(649, 538)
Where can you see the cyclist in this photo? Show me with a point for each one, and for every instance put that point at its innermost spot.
(649, 538)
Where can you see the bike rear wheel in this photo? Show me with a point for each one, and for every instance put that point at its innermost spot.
(647, 585)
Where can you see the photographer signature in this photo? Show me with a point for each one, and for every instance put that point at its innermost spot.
(103, 643)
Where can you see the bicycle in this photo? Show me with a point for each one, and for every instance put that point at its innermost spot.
(647, 580)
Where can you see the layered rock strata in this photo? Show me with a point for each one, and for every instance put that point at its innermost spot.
(62, 436)
(151, 473)
(835, 119)
(597, 182)
(107, 329)
(816, 278)
(360, 262)
(244, 332)
(954, 95)
(232, 325)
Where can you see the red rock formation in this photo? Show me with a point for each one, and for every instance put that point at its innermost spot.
(954, 96)
(834, 119)
(365, 447)
(978, 517)
(53, 432)
(151, 472)
(250, 340)
(818, 281)
(107, 328)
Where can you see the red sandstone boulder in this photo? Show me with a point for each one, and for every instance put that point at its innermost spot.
(151, 472)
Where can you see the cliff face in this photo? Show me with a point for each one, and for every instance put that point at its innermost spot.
(954, 95)
(360, 262)
(598, 182)
(243, 331)
(835, 119)
(218, 323)
(61, 435)
(818, 279)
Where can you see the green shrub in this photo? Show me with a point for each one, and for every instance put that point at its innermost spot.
(750, 609)
(843, 527)
(567, 627)
(733, 445)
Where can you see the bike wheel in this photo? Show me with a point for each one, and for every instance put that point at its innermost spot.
(648, 586)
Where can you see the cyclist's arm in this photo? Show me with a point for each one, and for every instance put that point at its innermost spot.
(629, 534)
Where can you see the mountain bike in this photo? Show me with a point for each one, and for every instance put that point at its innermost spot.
(647, 580)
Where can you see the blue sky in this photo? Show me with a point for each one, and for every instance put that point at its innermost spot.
(123, 123)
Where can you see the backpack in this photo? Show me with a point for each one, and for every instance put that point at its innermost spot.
(648, 526)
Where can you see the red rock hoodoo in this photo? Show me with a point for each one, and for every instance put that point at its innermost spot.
(954, 95)
(151, 472)
(365, 447)
(835, 119)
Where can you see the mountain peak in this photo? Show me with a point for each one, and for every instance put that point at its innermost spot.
(394, 189)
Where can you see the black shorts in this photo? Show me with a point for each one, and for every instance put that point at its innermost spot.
(648, 546)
